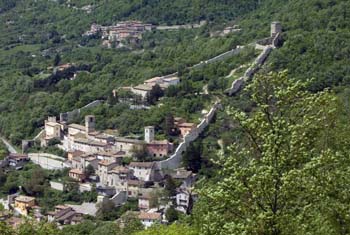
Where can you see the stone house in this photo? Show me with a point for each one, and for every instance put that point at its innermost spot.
(72, 154)
(142, 90)
(159, 148)
(53, 130)
(134, 188)
(186, 128)
(148, 219)
(75, 129)
(77, 174)
(114, 156)
(64, 215)
(184, 200)
(102, 171)
(163, 82)
(186, 177)
(127, 145)
(118, 178)
(144, 202)
(145, 171)
(23, 204)
(88, 146)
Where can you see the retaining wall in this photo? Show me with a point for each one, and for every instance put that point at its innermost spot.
(119, 198)
(56, 185)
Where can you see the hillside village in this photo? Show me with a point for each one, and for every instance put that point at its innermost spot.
(189, 117)
(116, 36)
(111, 165)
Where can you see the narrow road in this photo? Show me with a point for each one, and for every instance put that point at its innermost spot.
(10, 148)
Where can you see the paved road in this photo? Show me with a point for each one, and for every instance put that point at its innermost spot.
(10, 148)
(48, 161)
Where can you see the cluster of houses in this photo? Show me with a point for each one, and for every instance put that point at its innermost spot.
(115, 35)
(115, 180)
(85, 138)
(18, 207)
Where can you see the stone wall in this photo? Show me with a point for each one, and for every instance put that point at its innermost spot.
(174, 161)
(119, 198)
(220, 57)
(69, 116)
(249, 73)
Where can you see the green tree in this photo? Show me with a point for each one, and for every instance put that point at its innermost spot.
(171, 214)
(169, 124)
(140, 153)
(57, 60)
(35, 185)
(170, 186)
(192, 159)
(89, 171)
(154, 95)
(174, 229)
(280, 180)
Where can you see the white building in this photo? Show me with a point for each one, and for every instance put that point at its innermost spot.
(148, 219)
(144, 170)
(184, 200)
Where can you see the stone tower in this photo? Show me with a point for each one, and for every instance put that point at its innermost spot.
(149, 134)
(276, 28)
(90, 122)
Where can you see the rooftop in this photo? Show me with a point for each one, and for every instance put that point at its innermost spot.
(186, 124)
(25, 199)
(53, 124)
(127, 140)
(136, 183)
(159, 142)
(181, 174)
(171, 79)
(77, 126)
(17, 156)
(76, 171)
(76, 153)
(153, 80)
(142, 164)
(120, 170)
(143, 87)
(105, 163)
(90, 142)
(149, 216)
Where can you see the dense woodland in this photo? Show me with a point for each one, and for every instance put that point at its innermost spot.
(279, 149)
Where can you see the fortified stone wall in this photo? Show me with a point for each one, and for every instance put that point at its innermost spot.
(220, 57)
(175, 160)
(249, 73)
(69, 116)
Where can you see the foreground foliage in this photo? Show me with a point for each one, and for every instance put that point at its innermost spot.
(286, 177)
